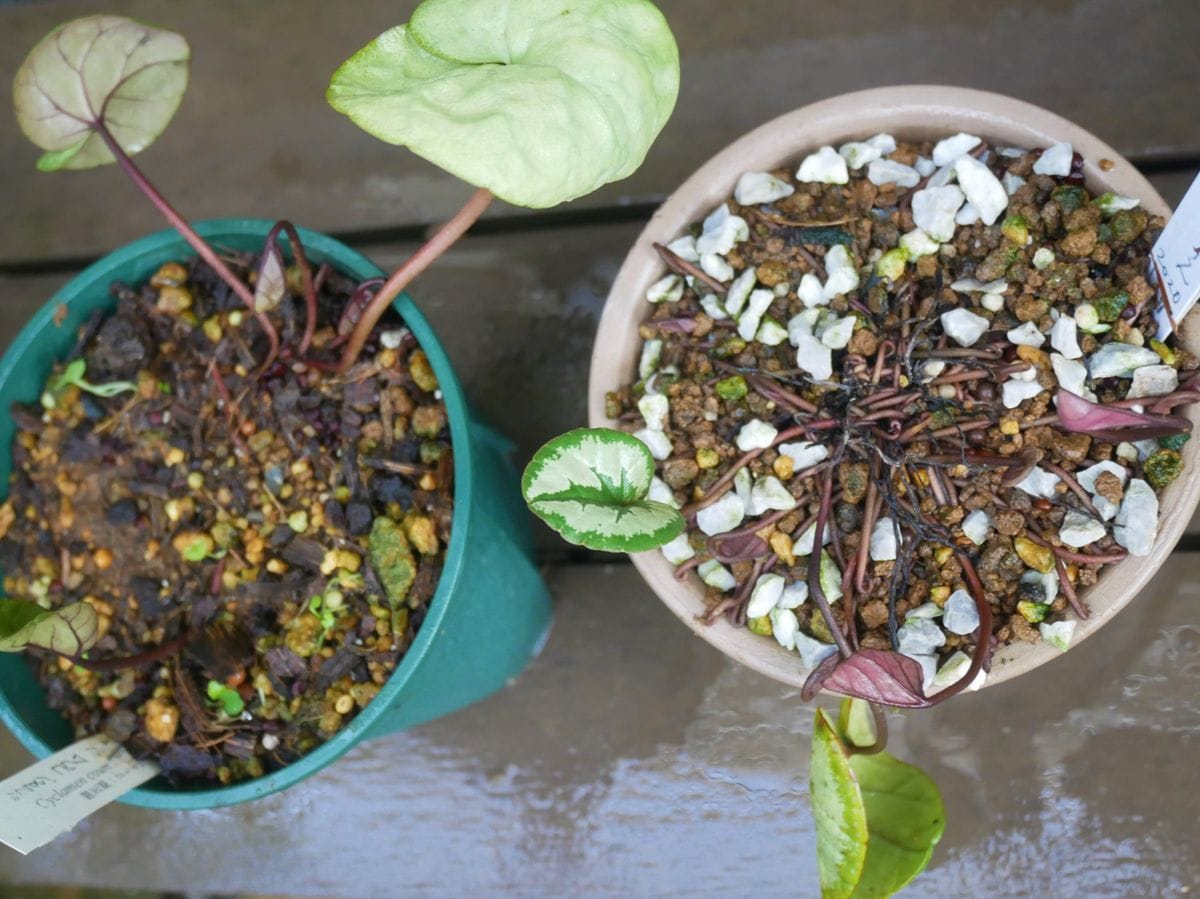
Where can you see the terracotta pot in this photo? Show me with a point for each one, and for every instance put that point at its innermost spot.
(907, 112)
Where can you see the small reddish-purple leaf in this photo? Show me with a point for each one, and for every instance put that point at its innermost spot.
(676, 325)
(1019, 467)
(816, 678)
(1113, 424)
(882, 676)
(738, 547)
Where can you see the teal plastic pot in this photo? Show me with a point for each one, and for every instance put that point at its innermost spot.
(489, 616)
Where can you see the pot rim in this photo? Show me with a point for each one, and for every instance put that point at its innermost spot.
(168, 244)
(906, 111)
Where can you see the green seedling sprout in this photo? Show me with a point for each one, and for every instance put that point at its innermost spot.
(229, 699)
(72, 375)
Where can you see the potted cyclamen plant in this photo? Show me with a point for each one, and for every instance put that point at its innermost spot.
(251, 518)
(904, 414)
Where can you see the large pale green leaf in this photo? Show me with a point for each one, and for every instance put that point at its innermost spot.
(540, 101)
(99, 69)
(68, 631)
(905, 820)
(838, 812)
(590, 485)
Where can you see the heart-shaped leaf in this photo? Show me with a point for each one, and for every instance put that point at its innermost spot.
(99, 70)
(68, 631)
(591, 484)
(539, 101)
(905, 820)
(877, 818)
(879, 675)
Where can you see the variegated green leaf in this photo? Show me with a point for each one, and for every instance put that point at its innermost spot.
(99, 70)
(838, 812)
(539, 101)
(590, 485)
(68, 631)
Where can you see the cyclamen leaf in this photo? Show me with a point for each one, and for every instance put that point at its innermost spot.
(99, 70)
(882, 676)
(838, 812)
(539, 101)
(905, 820)
(68, 631)
(591, 484)
(1113, 424)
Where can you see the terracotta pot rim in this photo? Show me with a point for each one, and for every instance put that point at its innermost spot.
(905, 111)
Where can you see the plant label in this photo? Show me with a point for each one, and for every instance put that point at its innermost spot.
(1176, 262)
(49, 798)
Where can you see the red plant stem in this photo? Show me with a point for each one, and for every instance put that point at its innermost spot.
(197, 243)
(873, 504)
(429, 253)
(310, 288)
(1073, 484)
(230, 414)
(1068, 589)
(983, 638)
(681, 266)
(814, 569)
(142, 658)
(954, 430)
(717, 490)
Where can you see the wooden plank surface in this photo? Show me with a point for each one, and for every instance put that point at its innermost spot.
(633, 759)
(255, 137)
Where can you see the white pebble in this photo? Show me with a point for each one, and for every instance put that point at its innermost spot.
(1127, 451)
(1012, 183)
(1055, 160)
(389, 340)
(924, 610)
(712, 307)
(755, 434)
(769, 493)
(721, 230)
(1026, 334)
(1120, 360)
(1080, 530)
(931, 370)
(785, 627)
(678, 550)
(1043, 258)
(657, 442)
(948, 149)
(803, 454)
(858, 153)
(1137, 521)
(1048, 582)
(685, 248)
(716, 575)
(1040, 483)
(964, 327)
(842, 271)
(665, 290)
(1058, 634)
(270, 742)
(961, 615)
(925, 166)
(934, 208)
(771, 333)
(836, 335)
(1064, 337)
(976, 526)
(883, 541)
(660, 492)
(716, 267)
(992, 302)
(810, 291)
(928, 662)
(1071, 375)
(1153, 380)
(971, 285)
(823, 167)
(751, 317)
(754, 188)
(887, 171)
(804, 543)
(967, 215)
(655, 408)
(812, 355)
(794, 595)
(883, 142)
(953, 669)
(1110, 203)
(813, 652)
(982, 188)
(651, 353)
(917, 244)
(920, 636)
(739, 291)
(767, 590)
(721, 516)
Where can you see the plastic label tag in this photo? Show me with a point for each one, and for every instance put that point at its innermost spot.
(1176, 262)
(50, 797)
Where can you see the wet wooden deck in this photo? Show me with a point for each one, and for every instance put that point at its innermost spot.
(632, 758)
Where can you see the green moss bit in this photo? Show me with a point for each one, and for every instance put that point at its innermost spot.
(1128, 224)
(1069, 196)
(760, 626)
(1033, 612)
(392, 559)
(1109, 306)
(1163, 467)
(732, 388)
(231, 701)
(891, 264)
(1174, 442)
(198, 548)
(1016, 229)
(1165, 353)
(730, 347)
(941, 418)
